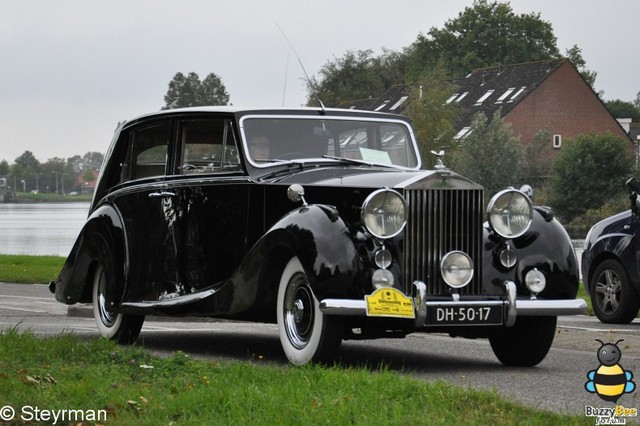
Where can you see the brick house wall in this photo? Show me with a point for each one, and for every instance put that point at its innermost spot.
(565, 105)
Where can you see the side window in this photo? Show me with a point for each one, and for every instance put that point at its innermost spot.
(208, 146)
(148, 155)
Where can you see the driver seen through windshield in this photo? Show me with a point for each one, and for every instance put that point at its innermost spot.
(274, 140)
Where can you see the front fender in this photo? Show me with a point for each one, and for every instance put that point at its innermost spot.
(322, 242)
(610, 246)
(547, 247)
(101, 236)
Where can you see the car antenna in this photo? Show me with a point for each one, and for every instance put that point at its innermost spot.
(302, 66)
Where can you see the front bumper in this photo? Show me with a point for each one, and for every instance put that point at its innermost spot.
(512, 305)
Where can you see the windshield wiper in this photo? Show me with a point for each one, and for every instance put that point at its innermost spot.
(350, 160)
(363, 162)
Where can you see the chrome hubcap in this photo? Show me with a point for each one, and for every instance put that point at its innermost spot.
(298, 311)
(105, 306)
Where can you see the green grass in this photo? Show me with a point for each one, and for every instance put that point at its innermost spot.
(582, 294)
(52, 198)
(133, 387)
(29, 269)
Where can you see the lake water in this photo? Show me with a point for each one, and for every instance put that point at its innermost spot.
(40, 228)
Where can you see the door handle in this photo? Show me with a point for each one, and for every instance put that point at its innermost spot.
(162, 194)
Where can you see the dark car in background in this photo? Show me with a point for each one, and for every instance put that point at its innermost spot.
(611, 262)
(321, 221)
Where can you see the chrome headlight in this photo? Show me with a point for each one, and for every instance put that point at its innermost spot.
(510, 213)
(384, 213)
(457, 269)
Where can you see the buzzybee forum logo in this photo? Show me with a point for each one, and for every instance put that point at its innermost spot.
(610, 381)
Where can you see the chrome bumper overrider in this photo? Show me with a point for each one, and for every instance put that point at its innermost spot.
(513, 305)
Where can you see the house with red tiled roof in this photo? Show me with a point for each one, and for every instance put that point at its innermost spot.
(547, 95)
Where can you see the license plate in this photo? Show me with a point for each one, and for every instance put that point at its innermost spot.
(464, 315)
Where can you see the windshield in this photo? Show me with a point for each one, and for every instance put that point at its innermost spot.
(270, 140)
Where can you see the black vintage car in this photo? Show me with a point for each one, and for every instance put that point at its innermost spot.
(321, 221)
(610, 263)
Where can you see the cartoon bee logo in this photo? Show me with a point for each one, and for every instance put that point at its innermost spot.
(609, 381)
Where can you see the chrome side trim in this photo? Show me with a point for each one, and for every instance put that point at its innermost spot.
(347, 307)
(551, 307)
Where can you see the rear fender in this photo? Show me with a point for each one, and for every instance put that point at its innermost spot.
(101, 237)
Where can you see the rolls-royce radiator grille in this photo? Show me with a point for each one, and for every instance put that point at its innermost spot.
(441, 221)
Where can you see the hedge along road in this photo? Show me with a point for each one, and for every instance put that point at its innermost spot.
(556, 384)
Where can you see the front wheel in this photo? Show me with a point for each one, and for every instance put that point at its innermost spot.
(526, 343)
(123, 328)
(306, 334)
(614, 300)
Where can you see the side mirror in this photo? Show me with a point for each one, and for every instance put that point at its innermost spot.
(633, 185)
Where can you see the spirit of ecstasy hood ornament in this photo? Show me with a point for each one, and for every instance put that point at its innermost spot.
(439, 163)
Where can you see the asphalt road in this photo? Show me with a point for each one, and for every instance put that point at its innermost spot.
(556, 384)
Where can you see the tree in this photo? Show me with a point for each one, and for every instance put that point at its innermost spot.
(575, 56)
(622, 109)
(26, 168)
(536, 166)
(486, 34)
(190, 91)
(433, 118)
(356, 75)
(51, 175)
(590, 170)
(489, 154)
(4, 168)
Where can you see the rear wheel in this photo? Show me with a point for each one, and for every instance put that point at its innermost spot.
(123, 328)
(614, 300)
(526, 343)
(306, 334)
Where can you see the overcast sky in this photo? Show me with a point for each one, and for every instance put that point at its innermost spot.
(71, 69)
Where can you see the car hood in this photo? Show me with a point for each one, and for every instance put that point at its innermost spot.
(379, 178)
(611, 225)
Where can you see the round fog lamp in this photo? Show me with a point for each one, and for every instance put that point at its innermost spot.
(382, 278)
(457, 269)
(383, 258)
(535, 281)
(508, 258)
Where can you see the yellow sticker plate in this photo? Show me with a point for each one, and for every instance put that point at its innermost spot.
(389, 302)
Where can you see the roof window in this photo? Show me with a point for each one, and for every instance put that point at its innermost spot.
(461, 97)
(484, 97)
(397, 104)
(384, 104)
(505, 95)
(517, 94)
(462, 133)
